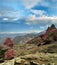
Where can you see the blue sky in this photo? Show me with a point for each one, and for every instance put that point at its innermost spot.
(26, 16)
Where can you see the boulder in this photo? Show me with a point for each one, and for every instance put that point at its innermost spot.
(8, 62)
(34, 63)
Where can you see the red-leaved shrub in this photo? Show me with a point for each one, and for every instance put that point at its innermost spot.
(30, 42)
(44, 36)
(9, 54)
(9, 42)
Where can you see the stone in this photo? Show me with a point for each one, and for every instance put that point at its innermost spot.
(34, 63)
(26, 63)
(8, 62)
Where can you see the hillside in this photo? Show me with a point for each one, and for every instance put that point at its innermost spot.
(48, 37)
(46, 42)
(25, 38)
(42, 49)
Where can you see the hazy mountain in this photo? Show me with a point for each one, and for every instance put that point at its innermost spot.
(4, 36)
(16, 37)
(27, 37)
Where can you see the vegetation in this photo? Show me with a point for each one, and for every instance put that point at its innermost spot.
(40, 49)
(48, 37)
(9, 54)
(2, 51)
(9, 42)
(6, 51)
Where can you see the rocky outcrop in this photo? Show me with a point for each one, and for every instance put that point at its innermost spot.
(31, 59)
(48, 37)
(8, 62)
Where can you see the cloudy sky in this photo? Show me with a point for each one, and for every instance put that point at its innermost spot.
(25, 16)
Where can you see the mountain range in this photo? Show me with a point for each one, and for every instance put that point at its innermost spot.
(18, 37)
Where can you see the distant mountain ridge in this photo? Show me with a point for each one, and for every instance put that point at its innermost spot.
(4, 36)
(19, 37)
(26, 38)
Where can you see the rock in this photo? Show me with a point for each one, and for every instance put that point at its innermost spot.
(43, 64)
(8, 62)
(26, 63)
(29, 57)
(11, 62)
(52, 63)
(34, 63)
(19, 60)
(17, 63)
(1, 63)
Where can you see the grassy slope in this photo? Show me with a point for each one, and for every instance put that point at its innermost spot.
(49, 47)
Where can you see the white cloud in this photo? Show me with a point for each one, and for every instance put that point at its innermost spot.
(47, 26)
(30, 3)
(9, 15)
(10, 32)
(47, 3)
(28, 31)
(9, 19)
(5, 19)
(44, 27)
(39, 12)
(33, 31)
(32, 20)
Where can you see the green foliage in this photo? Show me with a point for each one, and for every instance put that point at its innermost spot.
(2, 51)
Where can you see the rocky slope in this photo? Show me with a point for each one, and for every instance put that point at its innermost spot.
(41, 49)
(33, 59)
(46, 42)
(48, 37)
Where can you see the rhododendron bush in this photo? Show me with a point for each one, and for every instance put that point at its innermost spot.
(6, 51)
(9, 42)
(9, 54)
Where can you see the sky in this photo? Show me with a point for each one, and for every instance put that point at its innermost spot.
(27, 16)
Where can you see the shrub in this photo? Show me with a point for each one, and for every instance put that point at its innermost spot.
(30, 42)
(6, 51)
(44, 36)
(9, 54)
(55, 37)
(2, 51)
(9, 42)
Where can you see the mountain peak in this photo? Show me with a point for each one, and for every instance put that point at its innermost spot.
(51, 27)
